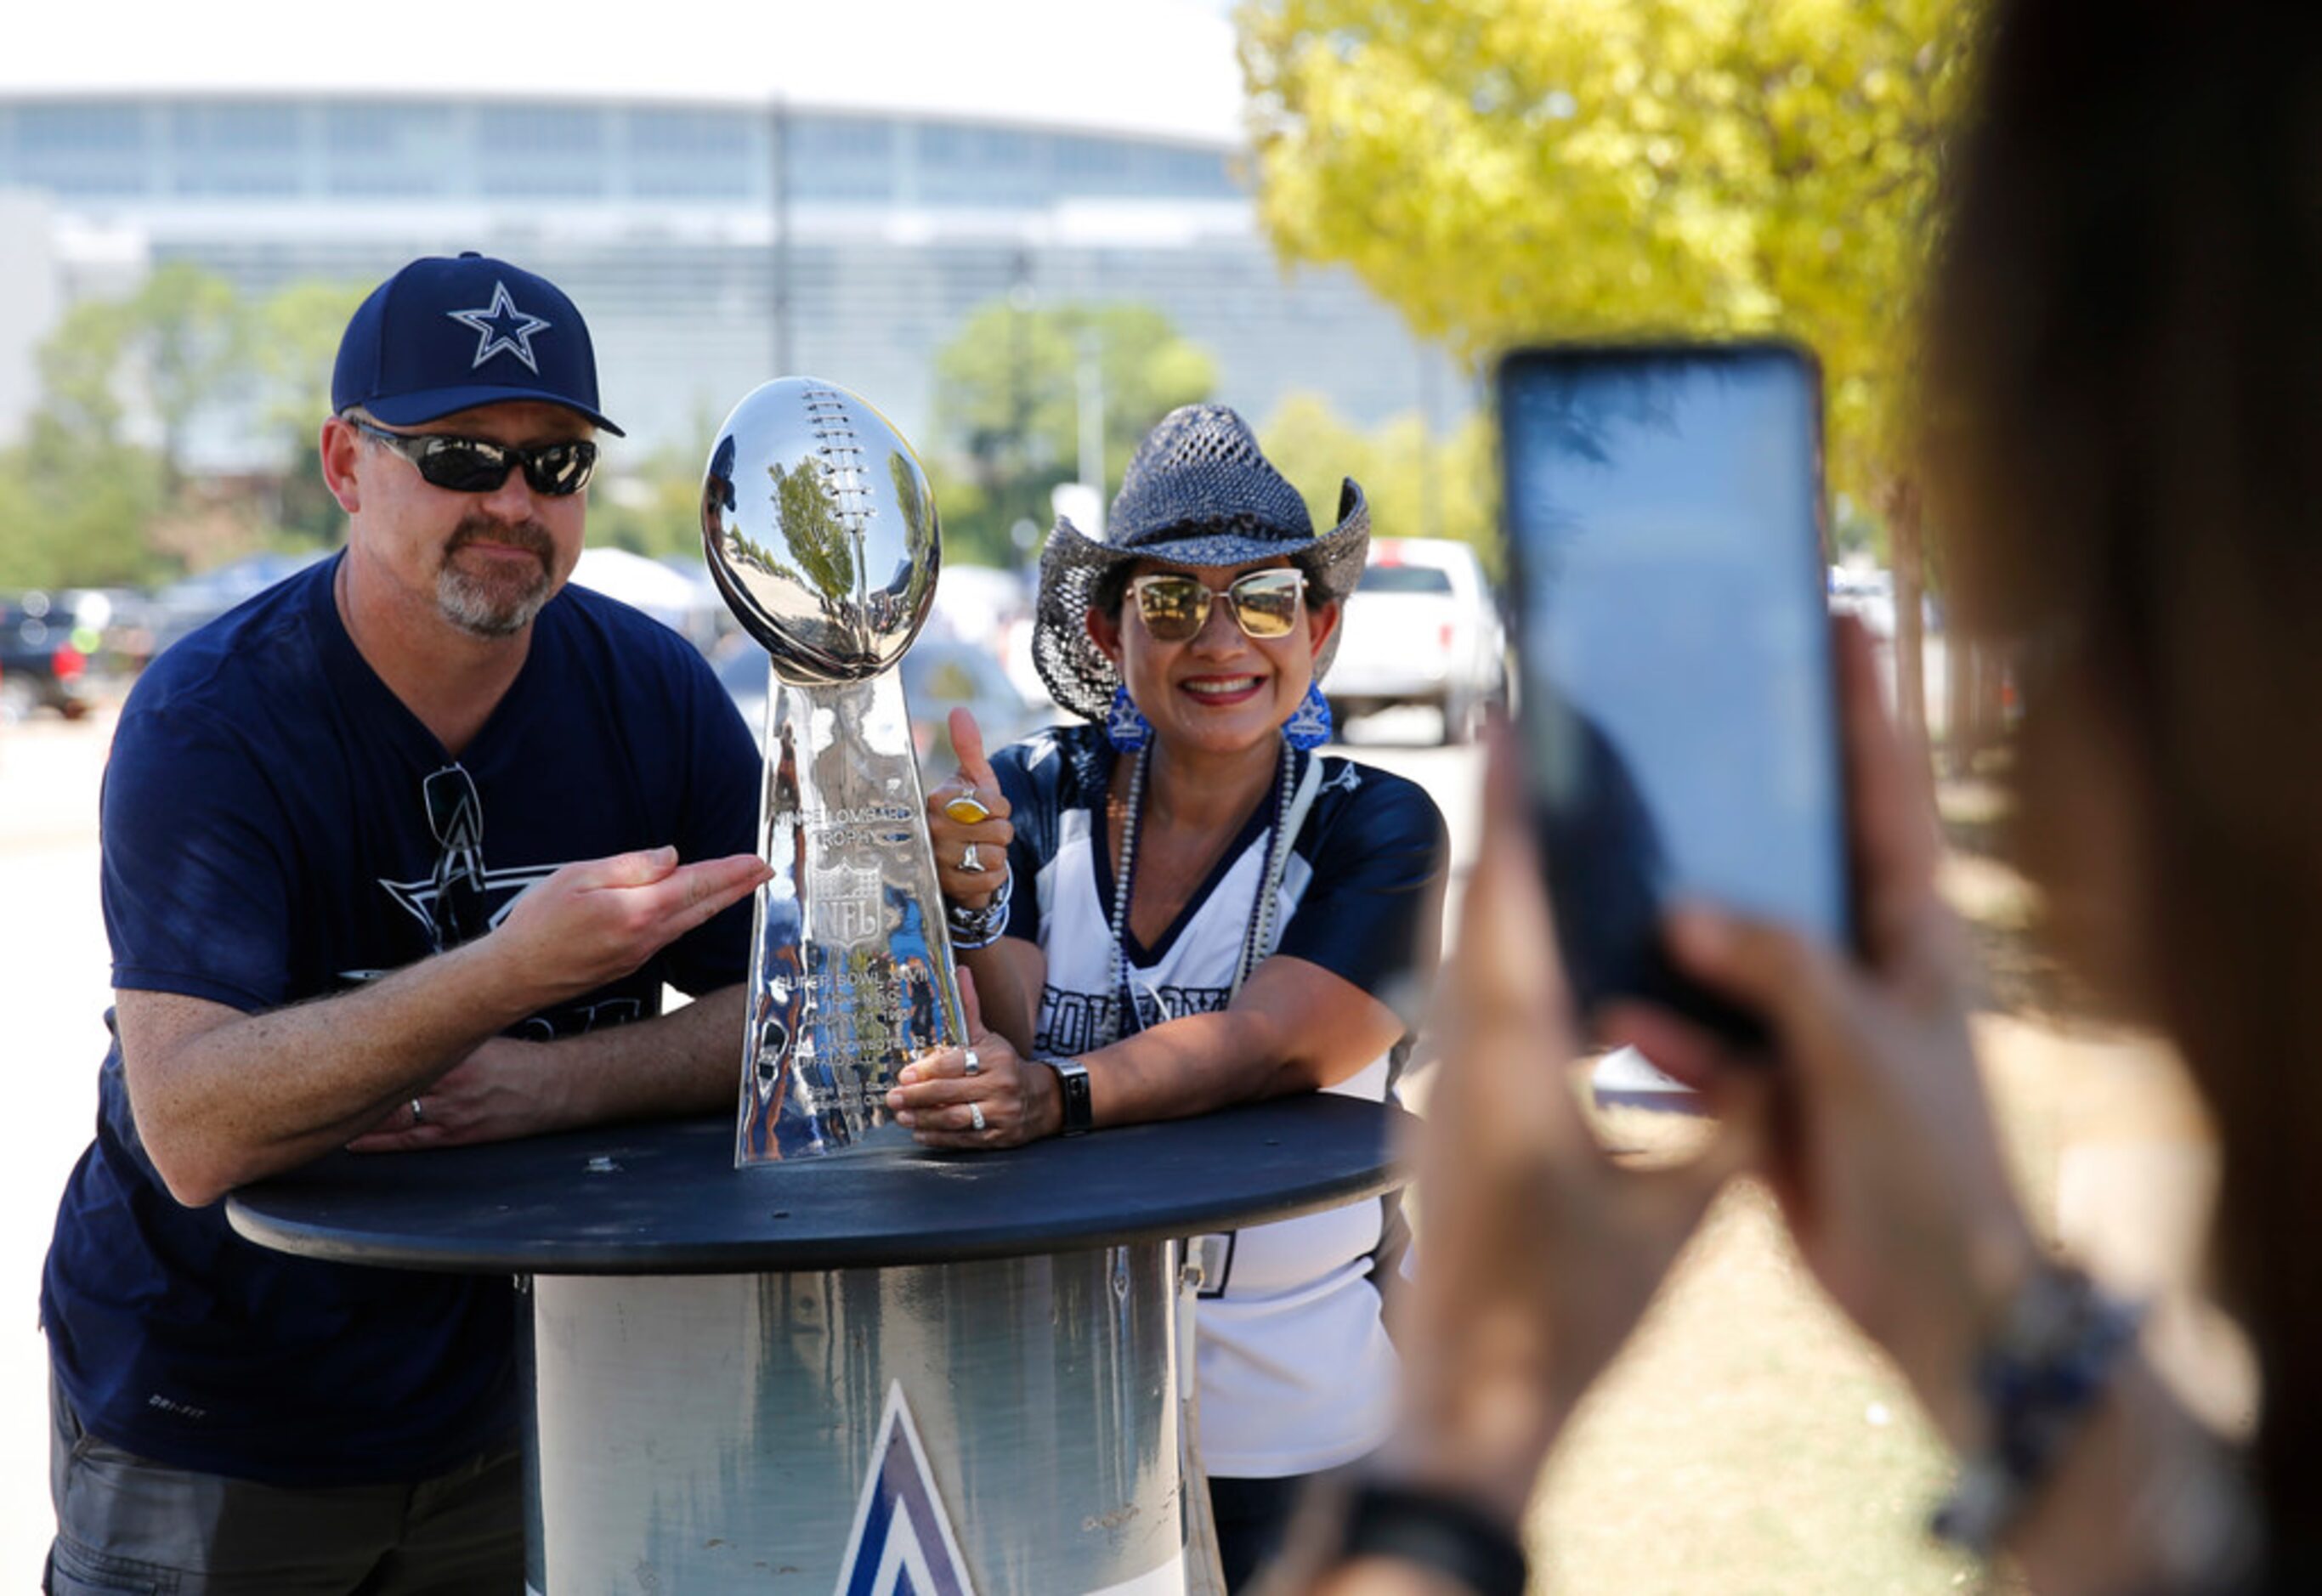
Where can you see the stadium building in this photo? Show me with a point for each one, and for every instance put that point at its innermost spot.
(840, 209)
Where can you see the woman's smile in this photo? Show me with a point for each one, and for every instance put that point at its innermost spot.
(1221, 690)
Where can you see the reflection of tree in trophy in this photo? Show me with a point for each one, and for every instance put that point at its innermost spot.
(918, 510)
(818, 537)
(917, 578)
(749, 552)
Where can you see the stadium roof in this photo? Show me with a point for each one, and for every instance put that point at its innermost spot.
(1156, 68)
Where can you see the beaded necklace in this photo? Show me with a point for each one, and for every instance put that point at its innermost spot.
(1261, 934)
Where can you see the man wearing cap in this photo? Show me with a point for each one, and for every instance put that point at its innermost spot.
(401, 853)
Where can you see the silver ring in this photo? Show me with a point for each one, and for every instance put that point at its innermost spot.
(975, 1064)
(419, 1114)
(975, 1115)
(969, 863)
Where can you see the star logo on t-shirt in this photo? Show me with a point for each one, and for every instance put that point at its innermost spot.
(502, 329)
(501, 889)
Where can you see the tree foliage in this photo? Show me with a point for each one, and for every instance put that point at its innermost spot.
(1505, 170)
(1418, 486)
(190, 336)
(294, 344)
(101, 491)
(1008, 409)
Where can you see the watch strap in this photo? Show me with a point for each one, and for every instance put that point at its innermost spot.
(1073, 1084)
(1435, 1531)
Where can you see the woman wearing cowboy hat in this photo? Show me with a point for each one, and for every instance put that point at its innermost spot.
(1180, 906)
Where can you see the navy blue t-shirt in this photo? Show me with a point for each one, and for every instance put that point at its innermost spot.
(278, 826)
(1361, 895)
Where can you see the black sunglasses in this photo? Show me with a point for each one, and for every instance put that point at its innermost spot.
(478, 465)
(455, 814)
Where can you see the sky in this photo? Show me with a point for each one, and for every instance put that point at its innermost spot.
(1162, 66)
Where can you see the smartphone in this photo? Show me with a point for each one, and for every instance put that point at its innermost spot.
(1678, 709)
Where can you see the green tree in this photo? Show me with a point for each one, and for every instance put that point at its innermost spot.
(296, 343)
(1505, 171)
(75, 511)
(1418, 486)
(76, 496)
(1008, 399)
(86, 501)
(189, 339)
(653, 506)
(100, 490)
(818, 541)
(80, 364)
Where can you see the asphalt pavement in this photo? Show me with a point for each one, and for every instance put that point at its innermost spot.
(54, 985)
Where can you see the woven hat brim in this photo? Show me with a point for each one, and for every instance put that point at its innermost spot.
(1073, 567)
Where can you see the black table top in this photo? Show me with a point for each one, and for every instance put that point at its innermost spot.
(665, 1199)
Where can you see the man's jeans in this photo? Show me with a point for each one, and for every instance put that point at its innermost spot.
(127, 1524)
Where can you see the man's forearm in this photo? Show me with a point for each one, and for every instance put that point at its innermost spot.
(222, 1098)
(688, 1062)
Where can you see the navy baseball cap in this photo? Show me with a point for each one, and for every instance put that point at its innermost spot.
(444, 334)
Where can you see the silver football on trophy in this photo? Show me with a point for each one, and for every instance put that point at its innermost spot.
(820, 531)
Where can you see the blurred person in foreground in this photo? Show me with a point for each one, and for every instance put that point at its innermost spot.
(391, 857)
(1188, 905)
(2125, 433)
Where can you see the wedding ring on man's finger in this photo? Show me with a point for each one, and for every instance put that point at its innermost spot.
(970, 862)
(419, 1114)
(967, 808)
(976, 1116)
(974, 1065)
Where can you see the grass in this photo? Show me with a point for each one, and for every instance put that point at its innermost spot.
(1749, 1440)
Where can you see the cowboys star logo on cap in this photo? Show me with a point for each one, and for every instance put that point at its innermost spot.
(501, 328)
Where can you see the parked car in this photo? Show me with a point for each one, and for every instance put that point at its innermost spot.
(1869, 596)
(1421, 627)
(938, 677)
(44, 654)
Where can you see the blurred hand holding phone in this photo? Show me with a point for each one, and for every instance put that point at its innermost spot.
(1677, 708)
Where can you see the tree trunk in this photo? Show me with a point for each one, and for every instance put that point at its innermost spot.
(1909, 569)
(1963, 726)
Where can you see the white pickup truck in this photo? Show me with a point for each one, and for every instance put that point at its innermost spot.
(1420, 629)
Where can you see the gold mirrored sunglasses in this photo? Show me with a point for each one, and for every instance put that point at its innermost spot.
(1264, 603)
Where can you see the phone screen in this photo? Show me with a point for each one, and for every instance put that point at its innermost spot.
(1664, 513)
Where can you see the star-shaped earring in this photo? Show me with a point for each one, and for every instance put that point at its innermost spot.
(501, 327)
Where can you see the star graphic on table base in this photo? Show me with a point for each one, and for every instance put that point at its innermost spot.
(902, 1543)
(502, 328)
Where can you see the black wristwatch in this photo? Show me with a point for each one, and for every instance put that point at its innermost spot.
(1073, 1082)
(1444, 1534)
